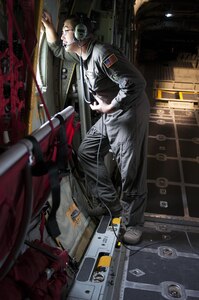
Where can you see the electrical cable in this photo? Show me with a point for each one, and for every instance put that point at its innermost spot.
(96, 186)
(148, 245)
(82, 77)
(190, 244)
(102, 202)
(97, 164)
(97, 179)
(111, 216)
(109, 211)
(154, 243)
(98, 151)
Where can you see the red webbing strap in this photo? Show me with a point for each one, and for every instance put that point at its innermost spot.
(71, 129)
(42, 225)
(13, 21)
(3, 77)
(11, 90)
(30, 37)
(10, 76)
(11, 56)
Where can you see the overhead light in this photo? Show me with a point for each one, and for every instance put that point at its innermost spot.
(168, 15)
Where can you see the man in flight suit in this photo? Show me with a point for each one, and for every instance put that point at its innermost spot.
(119, 92)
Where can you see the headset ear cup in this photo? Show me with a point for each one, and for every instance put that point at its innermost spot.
(80, 32)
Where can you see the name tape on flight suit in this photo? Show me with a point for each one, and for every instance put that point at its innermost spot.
(110, 60)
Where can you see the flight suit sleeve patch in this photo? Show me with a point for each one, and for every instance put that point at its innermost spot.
(110, 60)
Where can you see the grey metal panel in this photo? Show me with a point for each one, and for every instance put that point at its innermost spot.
(103, 243)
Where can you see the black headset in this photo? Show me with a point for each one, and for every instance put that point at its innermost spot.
(81, 30)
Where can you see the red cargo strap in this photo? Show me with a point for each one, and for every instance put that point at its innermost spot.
(14, 22)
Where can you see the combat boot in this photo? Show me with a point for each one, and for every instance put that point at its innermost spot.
(132, 235)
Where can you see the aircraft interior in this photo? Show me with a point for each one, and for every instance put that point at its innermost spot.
(50, 248)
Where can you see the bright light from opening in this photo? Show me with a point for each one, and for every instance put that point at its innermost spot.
(168, 15)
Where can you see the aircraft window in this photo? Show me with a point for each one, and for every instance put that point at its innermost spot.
(42, 65)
